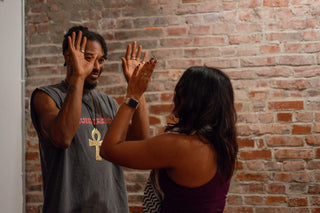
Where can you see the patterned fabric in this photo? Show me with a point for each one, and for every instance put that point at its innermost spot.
(153, 195)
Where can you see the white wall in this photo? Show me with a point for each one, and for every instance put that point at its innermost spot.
(11, 106)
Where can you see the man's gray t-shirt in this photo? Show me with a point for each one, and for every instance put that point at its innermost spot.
(76, 179)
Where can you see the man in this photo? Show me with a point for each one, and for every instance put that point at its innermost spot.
(71, 119)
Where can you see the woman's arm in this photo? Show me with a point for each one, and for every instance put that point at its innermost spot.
(144, 154)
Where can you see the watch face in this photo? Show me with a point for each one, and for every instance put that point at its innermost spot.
(132, 102)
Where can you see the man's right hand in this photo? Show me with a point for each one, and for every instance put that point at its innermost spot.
(81, 67)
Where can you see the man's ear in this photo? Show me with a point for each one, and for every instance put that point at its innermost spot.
(67, 57)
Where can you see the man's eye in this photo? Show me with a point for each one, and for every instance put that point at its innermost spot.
(88, 58)
(101, 61)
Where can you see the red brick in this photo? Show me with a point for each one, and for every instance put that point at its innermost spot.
(163, 108)
(240, 209)
(176, 42)
(317, 153)
(253, 200)
(167, 96)
(258, 61)
(258, 95)
(301, 129)
(245, 39)
(135, 209)
(202, 52)
(297, 60)
(293, 165)
(32, 156)
(286, 105)
(284, 36)
(246, 176)
(247, 15)
(182, 63)
(255, 154)
(222, 28)
(298, 201)
(154, 120)
(313, 165)
(270, 128)
(255, 165)
(311, 35)
(256, 188)
(312, 48)
(275, 200)
(274, 188)
(176, 31)
(250, 3)
(222, 63)
(293, 154)
(284, 117)
(266, 117)
(314, 189)
(283, 177)
(316, 127)
(292, 84)
(269, 49)
(274, 71)
(304, 117)
(244, 142)
(275, 3)
(198, 8)
(209, 41)
(234, 199)
(313, 140)
(199, 30)
(293, 47)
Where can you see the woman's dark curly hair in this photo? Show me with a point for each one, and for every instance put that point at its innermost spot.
(204, 103)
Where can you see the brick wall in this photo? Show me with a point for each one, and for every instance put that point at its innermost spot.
(270, 50)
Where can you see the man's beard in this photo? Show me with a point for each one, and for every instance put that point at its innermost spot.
(89, 86)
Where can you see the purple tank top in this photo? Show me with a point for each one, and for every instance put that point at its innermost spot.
(208, 198)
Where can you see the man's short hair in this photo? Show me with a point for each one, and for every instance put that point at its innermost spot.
(91, 36)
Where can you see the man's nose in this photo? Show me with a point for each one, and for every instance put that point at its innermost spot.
(96, 65)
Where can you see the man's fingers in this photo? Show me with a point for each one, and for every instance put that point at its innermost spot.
(124, 64)
(78, 41)
(70, 44)
(128, 52)
(133, 52)
(83, 44)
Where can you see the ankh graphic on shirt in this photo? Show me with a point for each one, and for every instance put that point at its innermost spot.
(96, 136)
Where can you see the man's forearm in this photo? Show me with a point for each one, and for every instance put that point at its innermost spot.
(66, 123)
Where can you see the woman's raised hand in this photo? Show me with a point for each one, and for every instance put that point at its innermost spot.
(132, 59)
(140, 79)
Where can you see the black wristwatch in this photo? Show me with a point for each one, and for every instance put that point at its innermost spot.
(132, 102)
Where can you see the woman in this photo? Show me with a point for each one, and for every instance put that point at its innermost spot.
(196, 155)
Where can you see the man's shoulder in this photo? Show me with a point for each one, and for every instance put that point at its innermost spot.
(57, 87)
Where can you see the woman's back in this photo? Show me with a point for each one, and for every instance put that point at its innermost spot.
(193, 186)
(195, 162)
(208, 198)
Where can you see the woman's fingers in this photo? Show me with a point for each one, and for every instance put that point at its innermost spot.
(145, 56)
(139, 53)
